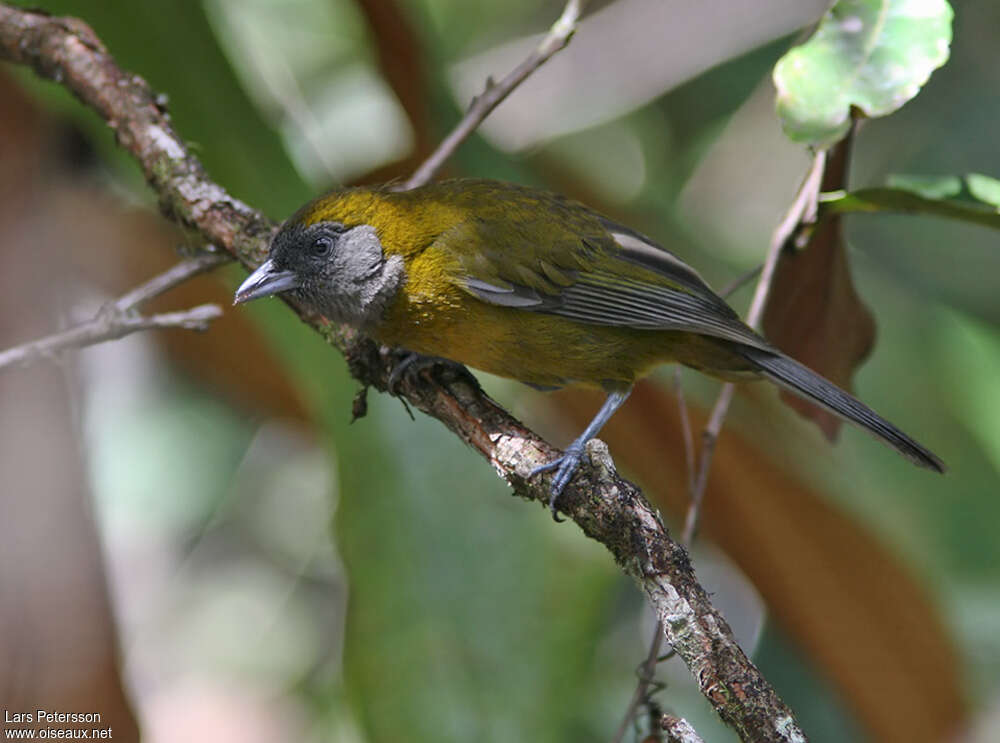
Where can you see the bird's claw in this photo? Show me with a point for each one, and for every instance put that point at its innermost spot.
(564, 466)
(412, 363)
(408, 360)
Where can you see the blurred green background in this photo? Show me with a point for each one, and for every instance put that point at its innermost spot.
(282, 574)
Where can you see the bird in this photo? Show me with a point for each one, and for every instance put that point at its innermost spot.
(528, 284)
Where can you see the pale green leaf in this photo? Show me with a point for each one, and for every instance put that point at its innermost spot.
(894, 200)
(870, 54)
(928, 186)
(984, 188)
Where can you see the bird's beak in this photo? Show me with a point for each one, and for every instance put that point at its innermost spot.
(264, 282)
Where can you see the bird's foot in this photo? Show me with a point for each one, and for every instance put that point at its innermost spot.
(411, 364)
(564, 466)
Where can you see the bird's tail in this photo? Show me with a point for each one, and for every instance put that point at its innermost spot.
(801, 380)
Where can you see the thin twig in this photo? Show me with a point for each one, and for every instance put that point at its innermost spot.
(686, 430)
(119, 318)
(494, 93)
(647, 670)
(708, 438)
(740, 281)
(802, 210)
(679, 730)
(173, 276)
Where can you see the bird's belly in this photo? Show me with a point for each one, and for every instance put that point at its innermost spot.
(535, 348)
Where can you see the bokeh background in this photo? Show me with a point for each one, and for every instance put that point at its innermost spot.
(196, 542)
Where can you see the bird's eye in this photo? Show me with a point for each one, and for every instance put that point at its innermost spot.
(322, 245)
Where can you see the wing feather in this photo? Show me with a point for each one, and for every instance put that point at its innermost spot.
(593, 271)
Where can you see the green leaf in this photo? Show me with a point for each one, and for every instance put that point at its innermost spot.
(928, 186)
(888, 200)
(870, 54)
(960, 197)
(984, 188)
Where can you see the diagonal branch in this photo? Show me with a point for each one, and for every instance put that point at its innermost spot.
(119, 318)
(493, 95)
(803, 210)
(606, 508)
(173, 276)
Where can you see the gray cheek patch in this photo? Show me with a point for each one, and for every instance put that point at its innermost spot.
(359, 253)
(363, 280)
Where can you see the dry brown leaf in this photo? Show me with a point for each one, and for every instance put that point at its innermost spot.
(814, 313)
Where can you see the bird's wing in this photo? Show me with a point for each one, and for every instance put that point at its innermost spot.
(597, 272)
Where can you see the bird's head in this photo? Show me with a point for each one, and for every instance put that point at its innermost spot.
(332, 264)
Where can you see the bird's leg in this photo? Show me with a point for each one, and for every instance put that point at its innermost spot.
(411, 363)
(566, 465)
